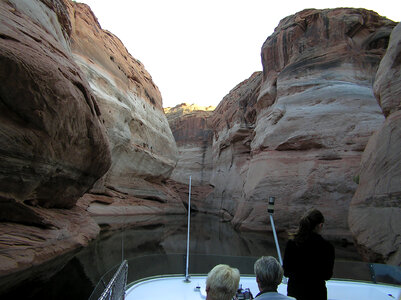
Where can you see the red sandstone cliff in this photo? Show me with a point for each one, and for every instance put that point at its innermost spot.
(53, 143)
(189, 124)
(76, 110)
(233, 124)
(77, 107)
(316, 112)
(375, 211)
(298, 131)
(143, 150)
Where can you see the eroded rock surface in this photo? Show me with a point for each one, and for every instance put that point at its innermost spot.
(53, 144)
(316, 112)
(74, 105)
(193, 135)
(297, 131)
(375, 211)
(233, 124)
(142, 145)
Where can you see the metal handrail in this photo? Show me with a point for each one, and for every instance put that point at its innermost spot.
(174, 264)
(115, 290)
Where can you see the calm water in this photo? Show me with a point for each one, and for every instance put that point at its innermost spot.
(74, 276)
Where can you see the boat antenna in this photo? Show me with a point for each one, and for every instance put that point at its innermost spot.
(270, 210)
(122, 241)
(189, 225)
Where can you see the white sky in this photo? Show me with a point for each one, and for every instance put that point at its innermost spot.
(197, 51)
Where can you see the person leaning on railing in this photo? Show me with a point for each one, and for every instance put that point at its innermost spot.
(269, 275)
(222, 283)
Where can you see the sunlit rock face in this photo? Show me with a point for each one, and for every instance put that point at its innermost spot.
(142, 145)
(375, 210)
(315, 113)
(193, 135)
(52, 140)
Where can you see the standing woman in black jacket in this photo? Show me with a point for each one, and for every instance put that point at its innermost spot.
(308, 259)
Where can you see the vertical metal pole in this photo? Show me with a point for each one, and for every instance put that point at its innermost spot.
(270, 210)
(122, 242)
(189, 225)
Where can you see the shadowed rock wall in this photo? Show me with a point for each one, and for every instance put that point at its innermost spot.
(53, 144)
(375, 210)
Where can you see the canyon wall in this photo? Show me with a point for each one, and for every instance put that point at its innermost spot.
(316, 112)
(78, 114)
(192, 133)
(375, 211)
(53, 144)
(143, 149)
(83, 131)
(297, 131)
(233, 123)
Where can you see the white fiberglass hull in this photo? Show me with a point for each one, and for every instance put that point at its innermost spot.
(176, 288)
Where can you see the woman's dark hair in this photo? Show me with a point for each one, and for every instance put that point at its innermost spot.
(307, 225)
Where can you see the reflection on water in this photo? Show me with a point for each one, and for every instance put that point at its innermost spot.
(147, 235)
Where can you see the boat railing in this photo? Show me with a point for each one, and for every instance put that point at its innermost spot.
(115, 289)
(147, 266)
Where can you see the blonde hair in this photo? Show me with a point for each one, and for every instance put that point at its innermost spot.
(222, 282)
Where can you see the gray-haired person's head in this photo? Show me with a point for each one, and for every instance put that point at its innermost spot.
(222, 282)
(269, 272)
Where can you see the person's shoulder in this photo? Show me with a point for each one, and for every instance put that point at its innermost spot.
(273, 296)
(325, 244)
(291, 243)
(317, 237)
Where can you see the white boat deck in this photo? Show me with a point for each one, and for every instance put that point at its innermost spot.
(176, 288)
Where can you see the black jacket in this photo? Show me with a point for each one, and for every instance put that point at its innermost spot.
(308, 266)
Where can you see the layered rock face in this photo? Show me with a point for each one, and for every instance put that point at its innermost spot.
(375, 210)
(214, 148)
(233, 123)
(51, 128)
(52, 142)
(314, 115)
(142, 145)
(193, 135)
(76, 110)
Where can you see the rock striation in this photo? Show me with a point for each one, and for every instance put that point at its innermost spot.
(297, 131)
(316, 112)
(51, 131)
(233, 124)
(375, 210)
(193, 135)
(53, 144)
(78, 113)
(142, 146)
